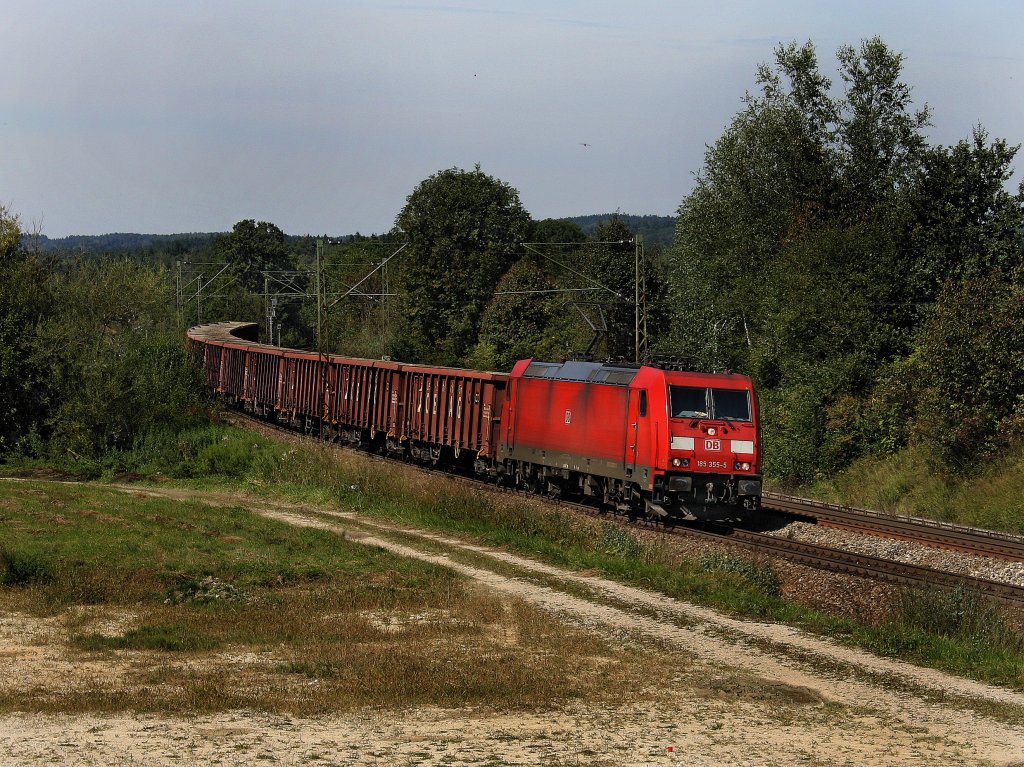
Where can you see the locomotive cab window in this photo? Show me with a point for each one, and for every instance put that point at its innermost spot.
(689, 401)
(643, 403)
(731, 404)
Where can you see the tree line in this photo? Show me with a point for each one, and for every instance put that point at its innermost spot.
(870, 282)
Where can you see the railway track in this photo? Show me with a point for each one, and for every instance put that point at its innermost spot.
(925, 531)
(812, 555)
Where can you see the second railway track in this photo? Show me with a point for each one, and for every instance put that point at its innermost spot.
(942, 535)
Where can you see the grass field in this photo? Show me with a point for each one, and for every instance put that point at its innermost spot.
(959, 632)
(206, 608)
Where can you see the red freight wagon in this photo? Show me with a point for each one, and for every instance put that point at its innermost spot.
(450, 407)
(232, 371)
(301, 386)
(211, 365)
(262, 378)
(359, 394)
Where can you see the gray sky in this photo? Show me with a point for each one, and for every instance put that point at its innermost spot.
(322, 116)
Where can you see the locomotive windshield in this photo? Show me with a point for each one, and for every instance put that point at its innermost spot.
(698, 402)
(689, 402)
(731, 404)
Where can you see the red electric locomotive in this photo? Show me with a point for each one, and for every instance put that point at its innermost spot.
(645, 440)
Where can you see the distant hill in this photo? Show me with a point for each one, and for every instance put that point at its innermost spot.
(122, 242)
(656, 230)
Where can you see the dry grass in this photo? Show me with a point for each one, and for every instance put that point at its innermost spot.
(291, 621)
(308, 655)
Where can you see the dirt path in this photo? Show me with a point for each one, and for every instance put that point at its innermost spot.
(800, 699)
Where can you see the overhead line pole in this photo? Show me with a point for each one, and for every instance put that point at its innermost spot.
(640, 281)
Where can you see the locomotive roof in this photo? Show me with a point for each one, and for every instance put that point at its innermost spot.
(582, 371)
(623, 375)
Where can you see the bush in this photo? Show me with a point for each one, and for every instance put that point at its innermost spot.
(21, 567)
(959, 614)
(972, 352)
(760, 575)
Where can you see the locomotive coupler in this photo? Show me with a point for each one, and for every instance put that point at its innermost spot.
(711, 493)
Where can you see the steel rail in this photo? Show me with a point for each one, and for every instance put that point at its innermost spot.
(932, 533)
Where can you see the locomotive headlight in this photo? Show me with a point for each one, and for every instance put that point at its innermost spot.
(745, 466)
(686, 462)
(712, 431)
(677, 461)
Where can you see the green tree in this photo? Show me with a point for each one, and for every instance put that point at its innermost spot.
(514, 323)
(972, 355)
(465, 230)
(880, 134)
(611, 262)
(555, 230)
(819, 231)
(121, 362)
(10, 236)
(252, 247)
(24, 304)
(963, 222)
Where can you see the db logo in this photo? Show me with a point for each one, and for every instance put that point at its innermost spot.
(712, 444)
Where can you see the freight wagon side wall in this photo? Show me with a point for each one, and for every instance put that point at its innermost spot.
(211, 364)
(301, 390)
(261, 376)
(356, 389)
(460, 409)
(232, 380)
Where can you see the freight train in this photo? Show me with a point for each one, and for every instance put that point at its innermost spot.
(646, 441)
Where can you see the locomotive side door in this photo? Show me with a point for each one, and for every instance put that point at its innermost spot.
(632, 431)
(638, 459)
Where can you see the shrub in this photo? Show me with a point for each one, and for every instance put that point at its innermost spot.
(760, 575)
(22, 567)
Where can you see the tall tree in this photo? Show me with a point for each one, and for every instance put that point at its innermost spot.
(24, 304)
(513, 325)
(880, 133)
(963, 222)
(465, 230)
(971, 358)
(818, 233)
(121, 362)
(611, 262)
(252, 247)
